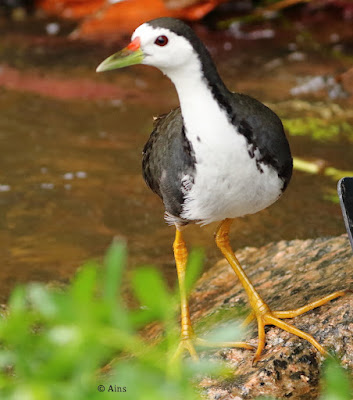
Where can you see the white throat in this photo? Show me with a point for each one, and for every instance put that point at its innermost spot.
(201, 112)
(181, 63)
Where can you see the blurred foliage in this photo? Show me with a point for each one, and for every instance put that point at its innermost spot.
(54, 342)
(316, 168)
(336, 381)
(319, 129)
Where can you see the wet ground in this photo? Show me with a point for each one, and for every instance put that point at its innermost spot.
(71, 144)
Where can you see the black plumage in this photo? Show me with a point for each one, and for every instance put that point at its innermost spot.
(167, 157)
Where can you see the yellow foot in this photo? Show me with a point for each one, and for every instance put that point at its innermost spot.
(265, 317)
(261, 311)
(187, 344)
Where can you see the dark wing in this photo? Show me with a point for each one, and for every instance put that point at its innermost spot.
(167, 158)
(264, 132)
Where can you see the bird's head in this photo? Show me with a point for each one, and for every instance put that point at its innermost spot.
(164, 43)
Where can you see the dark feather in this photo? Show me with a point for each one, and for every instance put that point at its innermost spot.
(167, 157)
(264, 132)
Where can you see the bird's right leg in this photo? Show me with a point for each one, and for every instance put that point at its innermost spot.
(187, 334)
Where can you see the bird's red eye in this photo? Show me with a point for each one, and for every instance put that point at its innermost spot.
(161, 40)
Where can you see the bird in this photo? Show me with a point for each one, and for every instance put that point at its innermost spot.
(220, 155)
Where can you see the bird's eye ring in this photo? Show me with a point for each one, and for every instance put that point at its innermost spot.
(161, 40)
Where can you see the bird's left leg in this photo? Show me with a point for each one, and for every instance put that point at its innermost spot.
(260, 310)
(187, 334)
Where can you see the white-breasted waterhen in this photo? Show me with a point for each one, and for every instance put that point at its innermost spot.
(221, 155)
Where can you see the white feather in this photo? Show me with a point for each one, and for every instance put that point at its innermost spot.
(227, 181)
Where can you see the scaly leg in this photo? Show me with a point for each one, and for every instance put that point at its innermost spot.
(187, 333)
(260, 310)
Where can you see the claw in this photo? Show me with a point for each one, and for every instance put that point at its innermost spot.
(187, 344)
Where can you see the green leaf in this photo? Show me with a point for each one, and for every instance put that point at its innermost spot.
(17, 301)
(336, 385)
(151, 291)
(194, 268)
(114, 263)
(232, 332)
(84, 284)
(41, 300)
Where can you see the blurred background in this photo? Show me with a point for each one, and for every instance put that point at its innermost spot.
(71, 140)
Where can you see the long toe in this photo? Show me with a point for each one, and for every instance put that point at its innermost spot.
(265, 317)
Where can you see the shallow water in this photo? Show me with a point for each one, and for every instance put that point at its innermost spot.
(70, 176)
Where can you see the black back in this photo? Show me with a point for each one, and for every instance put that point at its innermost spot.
(264, 132)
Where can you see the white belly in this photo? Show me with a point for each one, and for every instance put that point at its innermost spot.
(227, 181)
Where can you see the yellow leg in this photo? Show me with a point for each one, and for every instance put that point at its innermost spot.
(261, 310)
(181, 257)
(187, 333)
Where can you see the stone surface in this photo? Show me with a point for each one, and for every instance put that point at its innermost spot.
(288, 274)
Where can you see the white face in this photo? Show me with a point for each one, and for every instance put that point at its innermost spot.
(164, 49)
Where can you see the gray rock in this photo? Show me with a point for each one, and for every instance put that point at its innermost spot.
(288, 274)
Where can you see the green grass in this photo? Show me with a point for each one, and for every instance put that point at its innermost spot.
(53, 342)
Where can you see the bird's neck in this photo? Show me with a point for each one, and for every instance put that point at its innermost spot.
(202, 96)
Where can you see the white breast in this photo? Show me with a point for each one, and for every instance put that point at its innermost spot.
(227, 181)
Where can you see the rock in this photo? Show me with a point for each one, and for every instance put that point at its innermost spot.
(288, 274)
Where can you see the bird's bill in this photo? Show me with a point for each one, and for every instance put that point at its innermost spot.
(130, 55)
